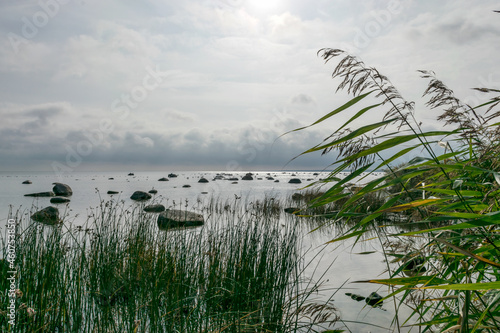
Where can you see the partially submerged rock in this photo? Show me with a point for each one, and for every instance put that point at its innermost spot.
(140, 196)
(248, 176)
(62, 190)
(374, 299)
(48, 215)
(153, 191)
(41, 194)
(163, 179)
(173, 218)
(113, 192)
(27, 182)
(294, 181)
(154, 208)
(58, 200)
(203, 180)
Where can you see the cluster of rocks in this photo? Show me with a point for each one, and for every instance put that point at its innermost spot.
(59, 194)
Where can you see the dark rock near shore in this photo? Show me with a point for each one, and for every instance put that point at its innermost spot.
(186, 186)
(140, 196)
(153, 191)
(62, 190)
(58, 200)
(294, 181)
(48, 215)
(233, 179)
(248, 176)
(41, 194)
(173, 218)
(154, 208)
(113, 192)
(203, 180)
(374, 299)
(163, 179)
(357, 298)
(27, 182)
(172, 175)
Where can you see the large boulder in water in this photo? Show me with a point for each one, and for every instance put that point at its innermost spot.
(248, 176)
(173, 218)
(48, 215)
(40, 194)
(140, 196)
(62, 190)
(294, 181)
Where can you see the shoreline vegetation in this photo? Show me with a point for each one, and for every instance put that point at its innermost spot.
(241, 272)
(448, 270)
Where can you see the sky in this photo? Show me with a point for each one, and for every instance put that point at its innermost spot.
(212, 85)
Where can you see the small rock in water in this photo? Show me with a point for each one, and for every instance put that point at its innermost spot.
(163, 179)
(27, 182)
(58, 200)
(357, 298)
(61, 189)
(130, 174)
(112, 192)
(48, 215)
(294, 181)
(153, 191)
(203, 180)
(140, 196)
(172, 175)
(41, 194)
(248, 176)
(154, 208)
(186, 186)
(173, 218)
(374, 299)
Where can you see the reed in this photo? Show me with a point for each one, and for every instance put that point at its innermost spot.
(241, 272)
(450, 274)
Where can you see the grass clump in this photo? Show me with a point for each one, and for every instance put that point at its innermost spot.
(119, 273)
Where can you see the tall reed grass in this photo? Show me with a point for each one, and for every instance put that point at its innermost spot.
(449, 188)
(241, 272)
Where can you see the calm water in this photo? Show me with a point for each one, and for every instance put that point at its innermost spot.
(90, 188)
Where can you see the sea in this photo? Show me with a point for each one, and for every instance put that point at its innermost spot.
(337, 266)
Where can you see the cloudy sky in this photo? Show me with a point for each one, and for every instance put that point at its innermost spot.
(211, 85)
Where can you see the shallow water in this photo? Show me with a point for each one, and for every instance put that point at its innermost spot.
(343, 262)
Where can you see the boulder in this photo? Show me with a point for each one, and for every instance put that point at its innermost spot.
(172, 175)
(248, 176)
(374, 299)
(163, 179)
(186, 186)
(173, 218)
(153, 191)
(113, 192)
(276, 181)
(294, 181)
(62, 190)
(154, 208)
(233, 179)
(58, 200)
(130, 174)
(27, 182)
(48, 215)
(203, 180)
(40, 194)
(140, 196)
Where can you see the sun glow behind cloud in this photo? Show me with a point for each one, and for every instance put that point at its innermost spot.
(236, 73)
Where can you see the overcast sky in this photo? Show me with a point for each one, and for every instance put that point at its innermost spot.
(210, 85)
